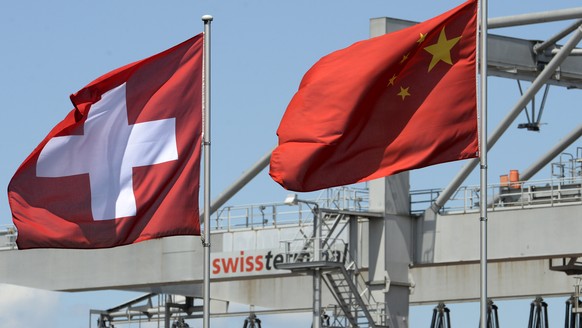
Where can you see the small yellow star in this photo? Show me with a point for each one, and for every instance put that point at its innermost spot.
(421, 38)
(441, 51)
(392, 79)
(404, 92)
(404, 58)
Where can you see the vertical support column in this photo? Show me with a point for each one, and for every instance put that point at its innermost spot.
(167, 310)
(390, 246)
(317, 271)
(353, 242)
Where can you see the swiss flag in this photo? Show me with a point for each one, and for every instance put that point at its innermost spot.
(124, 165)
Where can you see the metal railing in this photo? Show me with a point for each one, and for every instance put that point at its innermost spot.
(345, 198)
(258, 216)
(275, 214)
(7, 237)
(514, 195)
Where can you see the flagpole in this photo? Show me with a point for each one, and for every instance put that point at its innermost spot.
(206, 148)
(483, 156)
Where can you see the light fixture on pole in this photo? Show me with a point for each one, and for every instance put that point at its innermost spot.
(292, 199)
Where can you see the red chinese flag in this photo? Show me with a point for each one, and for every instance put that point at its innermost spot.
(124, 165)
(392, 103)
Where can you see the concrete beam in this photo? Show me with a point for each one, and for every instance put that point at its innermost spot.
(151, 263)
(507, 280)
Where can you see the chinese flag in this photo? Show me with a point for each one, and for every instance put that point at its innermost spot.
(124, 165)
(392, 103)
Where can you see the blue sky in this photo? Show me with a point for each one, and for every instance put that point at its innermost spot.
(260, 51)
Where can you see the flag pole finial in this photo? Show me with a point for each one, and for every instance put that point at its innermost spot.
(207, 18)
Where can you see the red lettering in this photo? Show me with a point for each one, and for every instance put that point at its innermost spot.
(229, 265)
(216, 266)
(250, 264)
(259, 265)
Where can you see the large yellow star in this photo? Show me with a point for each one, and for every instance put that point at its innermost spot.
(441, 51)
(403, 92)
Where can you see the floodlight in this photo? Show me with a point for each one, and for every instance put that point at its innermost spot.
(291, 199)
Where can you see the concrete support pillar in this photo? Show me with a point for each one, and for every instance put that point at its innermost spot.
(391, 245)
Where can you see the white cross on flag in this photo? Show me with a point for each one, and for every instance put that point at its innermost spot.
(124, 165)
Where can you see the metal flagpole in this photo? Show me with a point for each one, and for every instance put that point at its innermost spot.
(206, 147)
(483, 155)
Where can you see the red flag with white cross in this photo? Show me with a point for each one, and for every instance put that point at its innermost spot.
(124, 165)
